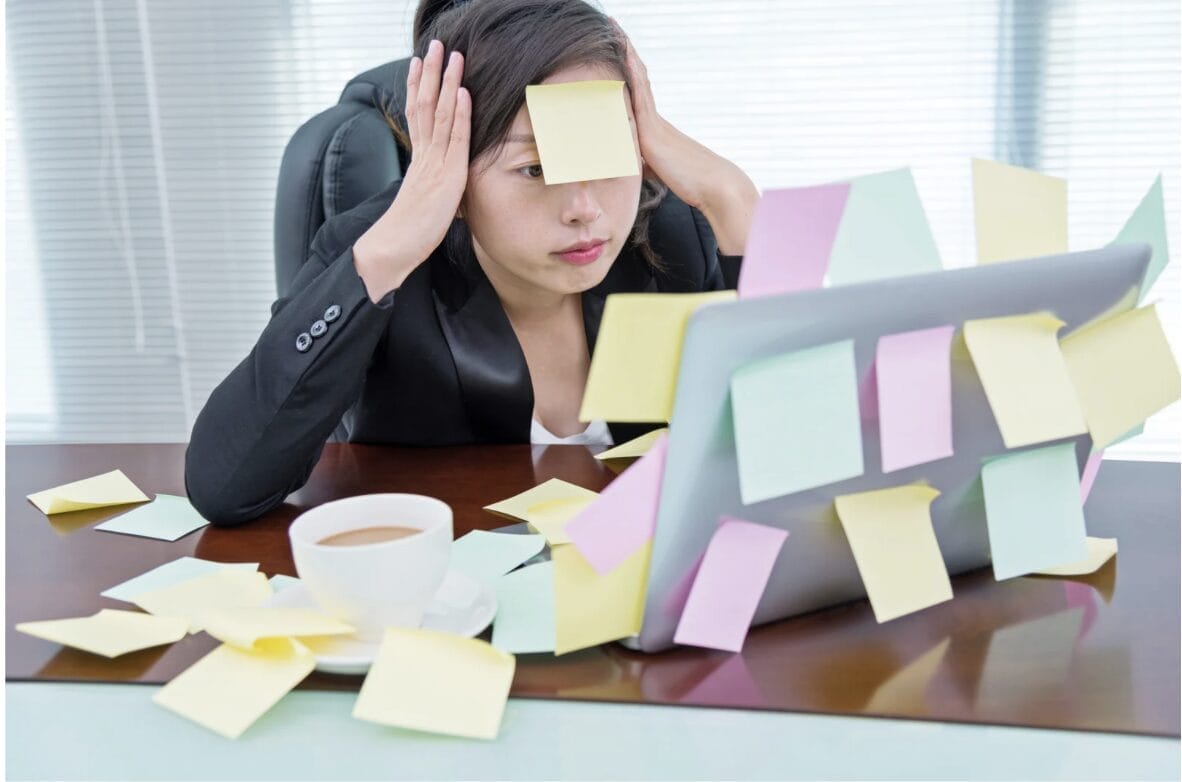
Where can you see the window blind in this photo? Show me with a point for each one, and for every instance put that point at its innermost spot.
(144, 141)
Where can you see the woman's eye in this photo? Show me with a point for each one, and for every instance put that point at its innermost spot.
(533, 171)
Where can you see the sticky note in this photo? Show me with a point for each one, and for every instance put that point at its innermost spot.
(1100, 550)
(109, 633)
(623, 516)
(228, 689)
(167, 517)
(633, 373)
(518, 505)
(192, 600)
(790, 239)
(549, 519)
(280, 582)
(591, 609)
(890, 533)
(168, 574)
(729, 585)
(1025, 377)
(110, 488)
(1033, 510)
(914, 390)
(905, 692)
(884, 231)
(1019, 213)
(1123, 372)
(437, 682)
(486, 556)
(525, 610)
(582, 131)
(633, 448)
(1147, 224)
(797, 423)
(245, 626)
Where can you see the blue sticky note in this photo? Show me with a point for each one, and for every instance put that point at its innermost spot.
(486, 556)
(1033, 510)
(884, 231)
(525, 610)
(1148, 224)
(797, 423)
(168, 517)
(168, 574)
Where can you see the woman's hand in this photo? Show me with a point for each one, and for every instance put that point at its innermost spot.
(704, 180)
(438, 118)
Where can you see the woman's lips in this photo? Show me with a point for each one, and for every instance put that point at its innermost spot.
(582, 257)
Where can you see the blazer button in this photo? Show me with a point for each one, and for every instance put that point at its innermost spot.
(332, 313)
(304, 342)
(318, 328)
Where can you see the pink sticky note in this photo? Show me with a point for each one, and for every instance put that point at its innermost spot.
(1089, 475)
(790, 239)
(914, 396)
(622, 517)
(730, 582)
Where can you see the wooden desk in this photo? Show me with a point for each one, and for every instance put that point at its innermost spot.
(1100, 653)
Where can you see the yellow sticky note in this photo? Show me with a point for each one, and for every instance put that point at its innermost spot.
(246, 626)
(550, 518)
(1100, 550)
(518, 505)
(1025, 377)
(229, 688)
(1123, 371)
(110, 488)
(109, 632)
(437, 682)
(633, 448)
(591, 609)
(890, 532)
(1019, 213)
(633, 374)
(582, 131)
(194, 599)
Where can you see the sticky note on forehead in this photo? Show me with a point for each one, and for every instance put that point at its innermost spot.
(582, 131)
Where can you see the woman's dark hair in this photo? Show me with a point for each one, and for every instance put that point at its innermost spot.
(509, 44)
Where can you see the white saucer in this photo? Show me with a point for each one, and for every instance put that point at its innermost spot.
(462, 606)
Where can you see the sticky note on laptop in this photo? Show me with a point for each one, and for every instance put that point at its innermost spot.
(884, 231)
(623, 516)
(890, 533)
(582, 130)
(109, 633)
(914, 389)
(729, 584)
(1147, 224)
(1100, 550)
(1019, 213)
(633, 373)
(110, 488)
(1025, 377)
(228, 689)
(437, 682)
(591, 609)
(790, 239)
(168, 517)
(1123, 371)
(797, 421)
(1033, 510)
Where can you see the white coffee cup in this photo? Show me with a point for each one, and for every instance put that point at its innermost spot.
(373, 586)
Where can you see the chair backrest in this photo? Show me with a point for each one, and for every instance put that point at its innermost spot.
(336, 160)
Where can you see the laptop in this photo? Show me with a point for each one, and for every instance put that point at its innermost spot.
(816, 568)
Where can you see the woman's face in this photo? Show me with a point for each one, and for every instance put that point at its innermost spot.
(520, 225)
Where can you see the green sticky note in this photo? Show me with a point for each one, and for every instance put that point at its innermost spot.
(1148, 224)
(1033, 510)
(167, 517)
(525, 610)
(488, 555)
(884, 231)
(582, 131)
(797, 423)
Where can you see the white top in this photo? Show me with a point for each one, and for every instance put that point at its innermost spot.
(596, 433)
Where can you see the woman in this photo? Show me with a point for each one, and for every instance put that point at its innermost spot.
(461, 304)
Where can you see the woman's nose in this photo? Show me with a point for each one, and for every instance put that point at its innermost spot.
(581, 205)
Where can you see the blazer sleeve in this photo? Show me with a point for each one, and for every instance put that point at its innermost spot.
(721, 271)
(263, 428)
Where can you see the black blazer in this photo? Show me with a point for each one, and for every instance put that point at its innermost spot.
(436, 362)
